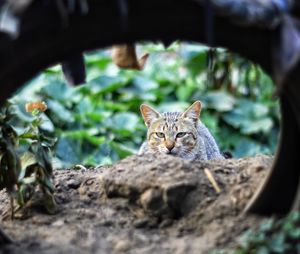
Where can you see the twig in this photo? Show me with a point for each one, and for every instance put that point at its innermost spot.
(12, 207)
(212, 180)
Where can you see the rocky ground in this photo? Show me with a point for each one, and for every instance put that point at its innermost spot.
(154, 204)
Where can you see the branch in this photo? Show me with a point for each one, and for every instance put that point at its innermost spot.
(43, 41)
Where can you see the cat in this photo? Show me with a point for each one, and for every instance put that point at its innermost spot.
(179, 134)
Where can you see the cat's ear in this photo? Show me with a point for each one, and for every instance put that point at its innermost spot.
(193, 112)
(149, 114)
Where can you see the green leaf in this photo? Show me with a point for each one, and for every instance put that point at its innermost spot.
(59, 112)
(140, 88)
(86, 135)
(211, 122)
(49, 202)
(144, 84)
(197, 62)
(262, 250)
(172, 107)
(24, 194)
(220, 101)
(29, 180)
(252, 109)
(27, 159)
(294, 216)
(261, 125)
(277, 243)
(99, 60)
(248, 147)
(67, 150)
(46, 124)
(56, 90)
(106, 160)
(267, 225)
(105, 84)
(122, 150)
(48, 183)
(294, 233)
(124, 121)
(236, 119)
(186, 89)
(250, 117)
(43, 158)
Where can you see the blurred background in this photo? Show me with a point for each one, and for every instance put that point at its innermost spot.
(99, 123)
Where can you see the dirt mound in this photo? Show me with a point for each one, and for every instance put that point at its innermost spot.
(153, 204)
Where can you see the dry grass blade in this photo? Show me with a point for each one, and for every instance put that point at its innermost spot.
(212, 180)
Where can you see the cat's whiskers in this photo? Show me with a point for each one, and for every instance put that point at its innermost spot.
(178, 134)
(185, 152)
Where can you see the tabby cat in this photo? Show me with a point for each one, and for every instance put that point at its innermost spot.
(179, 134)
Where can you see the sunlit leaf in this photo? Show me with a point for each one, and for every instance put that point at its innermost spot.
(250, 117)
(144, 84)
(122, 150)
(220, 101)
(126, 121)
(172, 107)
(57, 90)
(29, 180)
(87, 135)
(248, 147)
(59, 112)
(277, 243)
(260, 125)
(197, 62)
(66, 150)
(105, 84)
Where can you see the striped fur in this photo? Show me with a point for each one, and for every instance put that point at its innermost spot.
(178, 134)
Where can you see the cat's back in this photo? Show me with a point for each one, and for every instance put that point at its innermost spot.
(212, 150)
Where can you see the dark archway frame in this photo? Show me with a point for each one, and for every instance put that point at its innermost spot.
(43, 41)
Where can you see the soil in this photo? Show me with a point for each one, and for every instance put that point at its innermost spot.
(153, 204)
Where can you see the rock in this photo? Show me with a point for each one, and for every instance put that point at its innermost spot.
(152, 200)
(107, 223)
(141, 223)
(165, 223)
(122, 246)
(58, 223)
(73, 183)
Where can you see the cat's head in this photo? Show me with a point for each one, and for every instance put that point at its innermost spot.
(172, 132)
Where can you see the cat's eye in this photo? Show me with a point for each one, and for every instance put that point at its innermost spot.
(160, 134)
(180, 134)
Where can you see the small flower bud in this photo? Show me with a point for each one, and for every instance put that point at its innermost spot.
(40, 106)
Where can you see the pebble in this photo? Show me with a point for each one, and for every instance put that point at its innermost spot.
(73, 183)
(58, 223)
(107, 223)
(140, 223)
(165, 223)
(151, 199)
(122, 246)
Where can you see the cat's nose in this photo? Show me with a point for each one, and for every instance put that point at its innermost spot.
(170, 146)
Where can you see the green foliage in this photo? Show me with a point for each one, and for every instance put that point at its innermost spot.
(27, 168)
(273, 236)
(99, 122)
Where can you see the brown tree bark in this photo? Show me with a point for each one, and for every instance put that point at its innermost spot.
(43, 41)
